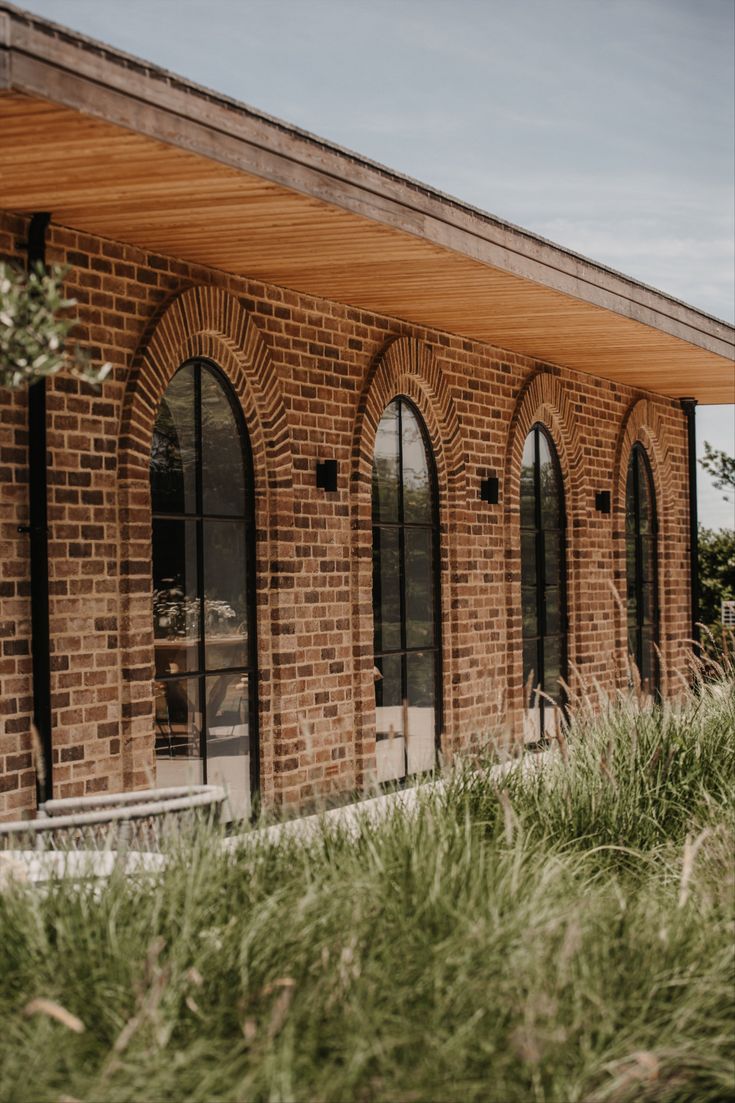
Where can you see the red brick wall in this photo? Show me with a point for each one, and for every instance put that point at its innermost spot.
(313, 378)
(17, 777)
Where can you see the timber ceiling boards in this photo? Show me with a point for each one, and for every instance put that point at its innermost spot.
(115, 147)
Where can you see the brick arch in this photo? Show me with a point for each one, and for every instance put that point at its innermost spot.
(200, 322)
(404, 364)
(406, 367)
(642, 424)
(545, 400)
(207, 321)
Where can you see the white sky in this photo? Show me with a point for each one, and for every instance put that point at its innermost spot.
(607, 126)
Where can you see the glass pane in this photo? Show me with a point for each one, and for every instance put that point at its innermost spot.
(544, 454)
(420, 715)
(228, 739)
(390, 751)
(632, 607)
(648, 551)
(552, 667)
(552, 720)
(528, 487)
(528, 558)
(630, 560)
(386, 590)
(646, 604)
(173, 449)
(552, 558)
(630, 497)
(530, 614)
(419, 587)
(632, 643)
(388, 694)
(420, 679)
(644, 494)
(175, 602)
(532, 720)
(648, 660)
(530, 669)
(223, 462)
(225, 595)
(416, 481)
(178, 732)
(550, 496)
(552, 611)
(385, 467)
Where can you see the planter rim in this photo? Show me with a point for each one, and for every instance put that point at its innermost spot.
(118, 806)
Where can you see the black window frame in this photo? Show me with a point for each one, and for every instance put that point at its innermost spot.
(639, 460)
(434, 526)
(541, 703)
(248, 521)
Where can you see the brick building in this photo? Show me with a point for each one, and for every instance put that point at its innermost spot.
(374, 473)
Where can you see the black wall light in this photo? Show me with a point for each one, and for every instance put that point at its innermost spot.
(602, 501)
(490, 490)
(326, 475)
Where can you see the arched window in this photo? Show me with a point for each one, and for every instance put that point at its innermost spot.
(406, 608)
(203, 587)
(543, 583)
(640, 563)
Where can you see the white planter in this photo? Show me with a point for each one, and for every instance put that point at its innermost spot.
(134, 821)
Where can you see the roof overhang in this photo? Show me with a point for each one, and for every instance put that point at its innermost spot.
(116, 147)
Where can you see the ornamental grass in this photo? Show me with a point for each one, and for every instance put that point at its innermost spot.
(563, 933)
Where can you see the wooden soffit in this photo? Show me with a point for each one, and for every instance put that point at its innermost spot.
(115, 147)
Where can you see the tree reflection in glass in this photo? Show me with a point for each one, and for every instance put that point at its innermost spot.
(386, 465)
(223, 470)
(225, 595)
(178, 720)
(405, 595)
(203, 602)
(176, 606)
(387, 588)
(173, 448)
(416, 481)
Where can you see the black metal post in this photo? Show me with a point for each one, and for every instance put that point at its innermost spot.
(38, 531)
(689, 406)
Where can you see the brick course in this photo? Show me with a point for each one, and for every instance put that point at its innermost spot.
(313, 378)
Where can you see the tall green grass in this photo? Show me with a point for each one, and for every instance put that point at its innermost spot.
(565, 933)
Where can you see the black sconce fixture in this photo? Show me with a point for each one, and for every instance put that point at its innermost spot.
(602, 501)
(326, 475)
(490, 490)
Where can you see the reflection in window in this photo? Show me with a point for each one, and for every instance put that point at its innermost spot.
(405, 596)
(543, 584)
(640, 558)
(203, 607)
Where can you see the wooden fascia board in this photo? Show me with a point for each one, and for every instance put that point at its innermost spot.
(145, 101)
(4, 50)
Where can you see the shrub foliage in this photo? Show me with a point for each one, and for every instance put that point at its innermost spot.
(35, 323)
